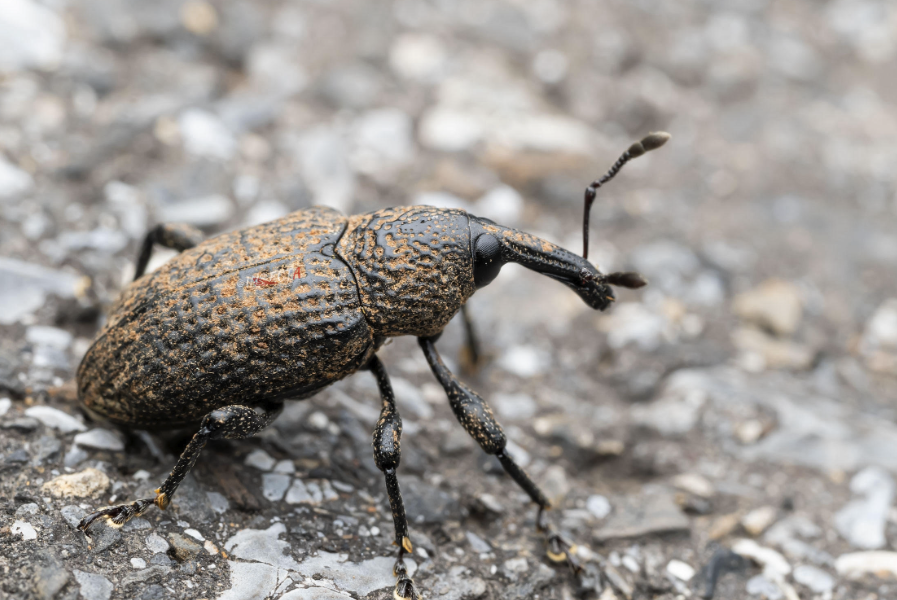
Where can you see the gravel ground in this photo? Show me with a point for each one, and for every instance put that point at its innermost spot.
(733, 422)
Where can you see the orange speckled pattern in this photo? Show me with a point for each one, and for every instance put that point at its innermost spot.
(413, 265)
(246, 317)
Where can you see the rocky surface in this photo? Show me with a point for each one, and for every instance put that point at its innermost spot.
(730, 429)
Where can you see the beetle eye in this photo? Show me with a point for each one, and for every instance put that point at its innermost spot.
(486, 260)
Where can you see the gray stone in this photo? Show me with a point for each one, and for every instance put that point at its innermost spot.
(426, 504)
(218, 502)
(202, 211)
(182, 547)
(274, 486)
(155, 543)
(162, 560)
(49, 577)
(205, 135)
(34, 37)
(73, 514)
(759, 585)
(16, 457)
(775, 304)
(47, 449)
(104, 537)
(55, 418)
(814, 578)
(862, 521)
(477, 543)
(314, 593)
(23, 424)
(153, 573)
(29, 508)
(93, 585)
(598, 505)
(652, 511)
(262, 545)
(24, 288)
(154, 592)
(14, 181)
(100, 439)
(514, 407)
(260, 459)
(136, 524)
(361, 578)
(457, 584)
(252, 581)
(311, 491)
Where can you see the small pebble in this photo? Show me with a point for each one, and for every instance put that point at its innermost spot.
(260, 459)
(56, 419)
(156, 543)
(23, 529)
(138, 563)
(680, 570)
(100, 439)
(814, 578)
(93, 585)
(856, 565)
(759, 519)
(89, 483)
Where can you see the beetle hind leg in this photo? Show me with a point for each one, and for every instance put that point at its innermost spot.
(387, 454)
(228, 422)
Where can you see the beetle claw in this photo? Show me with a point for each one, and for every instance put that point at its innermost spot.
(116, 516)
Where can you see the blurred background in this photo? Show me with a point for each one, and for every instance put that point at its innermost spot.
(736, 418)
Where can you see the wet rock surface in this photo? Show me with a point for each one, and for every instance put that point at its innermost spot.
(728, 430)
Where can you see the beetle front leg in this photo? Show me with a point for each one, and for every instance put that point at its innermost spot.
(177, 236)
(387, 454)
(230, 422)
(476, 417)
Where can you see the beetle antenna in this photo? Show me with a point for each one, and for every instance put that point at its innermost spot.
(648, 143)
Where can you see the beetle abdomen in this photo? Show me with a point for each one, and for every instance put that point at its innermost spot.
(246, 317)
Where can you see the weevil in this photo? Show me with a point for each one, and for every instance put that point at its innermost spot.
(219, 337)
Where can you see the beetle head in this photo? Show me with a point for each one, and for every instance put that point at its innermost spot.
(493, 246)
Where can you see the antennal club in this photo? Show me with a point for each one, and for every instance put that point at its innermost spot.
(648, 143)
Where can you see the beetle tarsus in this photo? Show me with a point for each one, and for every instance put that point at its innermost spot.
(557, 548)
(404, 585)
(118, 515)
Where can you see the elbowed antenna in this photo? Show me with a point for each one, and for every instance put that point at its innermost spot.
(648, 143)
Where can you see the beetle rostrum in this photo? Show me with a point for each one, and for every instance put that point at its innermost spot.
(220, 336)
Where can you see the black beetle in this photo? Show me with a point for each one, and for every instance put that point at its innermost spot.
(222, 334)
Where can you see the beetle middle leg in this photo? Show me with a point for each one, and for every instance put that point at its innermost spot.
(471, 353)
(476, 417)
(177, 236)
(387, 454)
(228, 422)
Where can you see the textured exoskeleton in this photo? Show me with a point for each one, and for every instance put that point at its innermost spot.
(223, 333)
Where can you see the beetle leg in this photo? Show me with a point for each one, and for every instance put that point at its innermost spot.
(177, 236)
(231, 422)
(476, 417)
(471, 354)
(387, 454)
